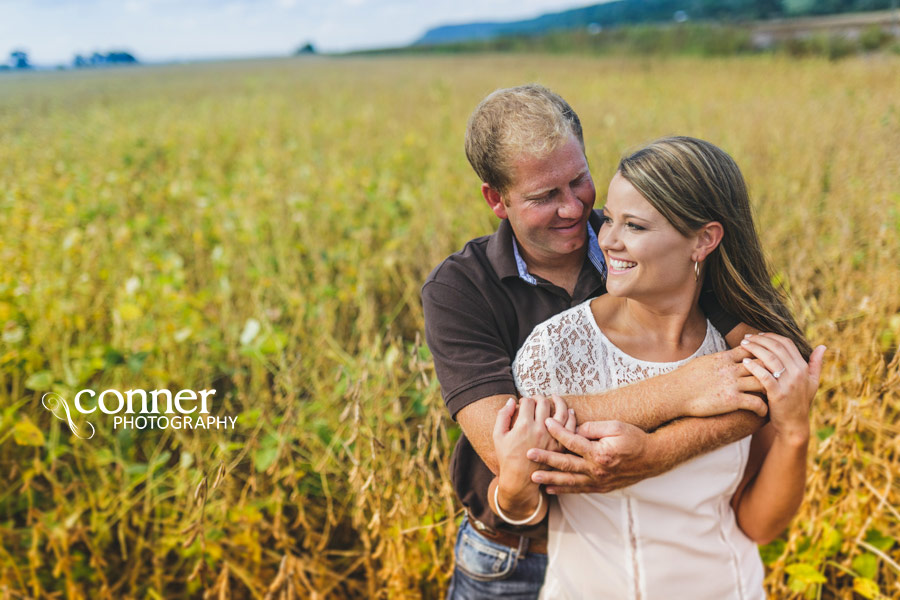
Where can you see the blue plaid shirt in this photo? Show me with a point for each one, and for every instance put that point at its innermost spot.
(595, 255)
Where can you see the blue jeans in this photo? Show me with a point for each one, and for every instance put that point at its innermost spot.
(488, 570)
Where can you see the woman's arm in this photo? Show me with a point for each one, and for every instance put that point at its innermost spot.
(512, 495)
(774, 480)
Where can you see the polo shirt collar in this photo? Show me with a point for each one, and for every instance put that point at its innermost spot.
(498, 254)
(512, 264)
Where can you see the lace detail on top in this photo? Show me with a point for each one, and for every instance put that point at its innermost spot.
(569, 354)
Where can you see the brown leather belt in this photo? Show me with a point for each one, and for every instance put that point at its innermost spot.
(532, 545)
(535, 545)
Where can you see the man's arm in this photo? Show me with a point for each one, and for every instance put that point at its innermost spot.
(461, 335)
(477, 422)
(708, 385)
(617, 454)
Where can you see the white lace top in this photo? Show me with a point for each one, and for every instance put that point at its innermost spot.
(672, 536)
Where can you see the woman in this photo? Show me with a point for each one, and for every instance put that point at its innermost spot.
(677, 212)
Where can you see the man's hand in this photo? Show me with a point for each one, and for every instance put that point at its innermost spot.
(608, 455)
(613, 455)
(720, 383)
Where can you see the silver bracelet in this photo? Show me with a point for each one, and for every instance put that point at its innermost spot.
(513, 521)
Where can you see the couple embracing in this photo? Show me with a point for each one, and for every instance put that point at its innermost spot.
(613, 445)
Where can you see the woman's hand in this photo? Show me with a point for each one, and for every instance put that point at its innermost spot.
(790, 383)
(515, 432)
(516, 496)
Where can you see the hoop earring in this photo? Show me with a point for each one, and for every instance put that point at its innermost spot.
(696, 271)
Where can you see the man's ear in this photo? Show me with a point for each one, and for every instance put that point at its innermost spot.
(494, 200)
(708, 239)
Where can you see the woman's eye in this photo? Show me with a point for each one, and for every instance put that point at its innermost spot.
(634, 226)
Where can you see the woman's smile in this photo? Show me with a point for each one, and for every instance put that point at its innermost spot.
(618, 265)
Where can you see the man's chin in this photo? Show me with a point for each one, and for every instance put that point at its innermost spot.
(571, 247)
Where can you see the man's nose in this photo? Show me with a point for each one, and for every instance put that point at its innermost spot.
(571, 207)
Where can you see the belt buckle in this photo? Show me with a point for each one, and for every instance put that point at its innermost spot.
(480, 525)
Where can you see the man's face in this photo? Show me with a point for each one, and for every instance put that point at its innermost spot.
(549, 202)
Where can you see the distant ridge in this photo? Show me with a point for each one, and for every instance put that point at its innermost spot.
(631, 12)
(568, 19)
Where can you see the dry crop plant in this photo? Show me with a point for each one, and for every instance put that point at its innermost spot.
(263, 229)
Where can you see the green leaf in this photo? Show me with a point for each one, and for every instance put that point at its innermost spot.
(453, 433)
(161, 460)
(273, 343)
(866, 565)
(771, 551)
(25, 433)
(250, 416)
(825, 433)
(264, 457)
(40, 381)
(136, 469)
(879, 540)
(866, 587)
(805, 573)
(831, 540)
(112, 357)
(136, 361)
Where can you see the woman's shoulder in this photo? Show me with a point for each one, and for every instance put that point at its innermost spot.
(576, 316)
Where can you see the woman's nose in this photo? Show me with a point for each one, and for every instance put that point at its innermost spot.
(608, 237)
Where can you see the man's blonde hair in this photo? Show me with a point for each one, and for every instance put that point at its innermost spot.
(527, 120)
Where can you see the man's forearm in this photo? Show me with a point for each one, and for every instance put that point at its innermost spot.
(687, 438)
(710, 385)
(646, 404)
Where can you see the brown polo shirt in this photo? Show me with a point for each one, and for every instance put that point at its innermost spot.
(478, 312)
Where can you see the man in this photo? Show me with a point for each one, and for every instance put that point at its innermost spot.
(481, 303)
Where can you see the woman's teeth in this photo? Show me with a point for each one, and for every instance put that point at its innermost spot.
(621, 265)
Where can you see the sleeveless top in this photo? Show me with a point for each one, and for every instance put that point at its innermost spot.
(667, 537)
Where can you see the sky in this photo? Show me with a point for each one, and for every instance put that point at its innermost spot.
(53, 31)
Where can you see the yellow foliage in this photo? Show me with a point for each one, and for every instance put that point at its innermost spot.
(311, 199)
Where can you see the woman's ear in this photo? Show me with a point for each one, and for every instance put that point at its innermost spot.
(708, 238)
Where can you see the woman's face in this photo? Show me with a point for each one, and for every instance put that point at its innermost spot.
(647, 258)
